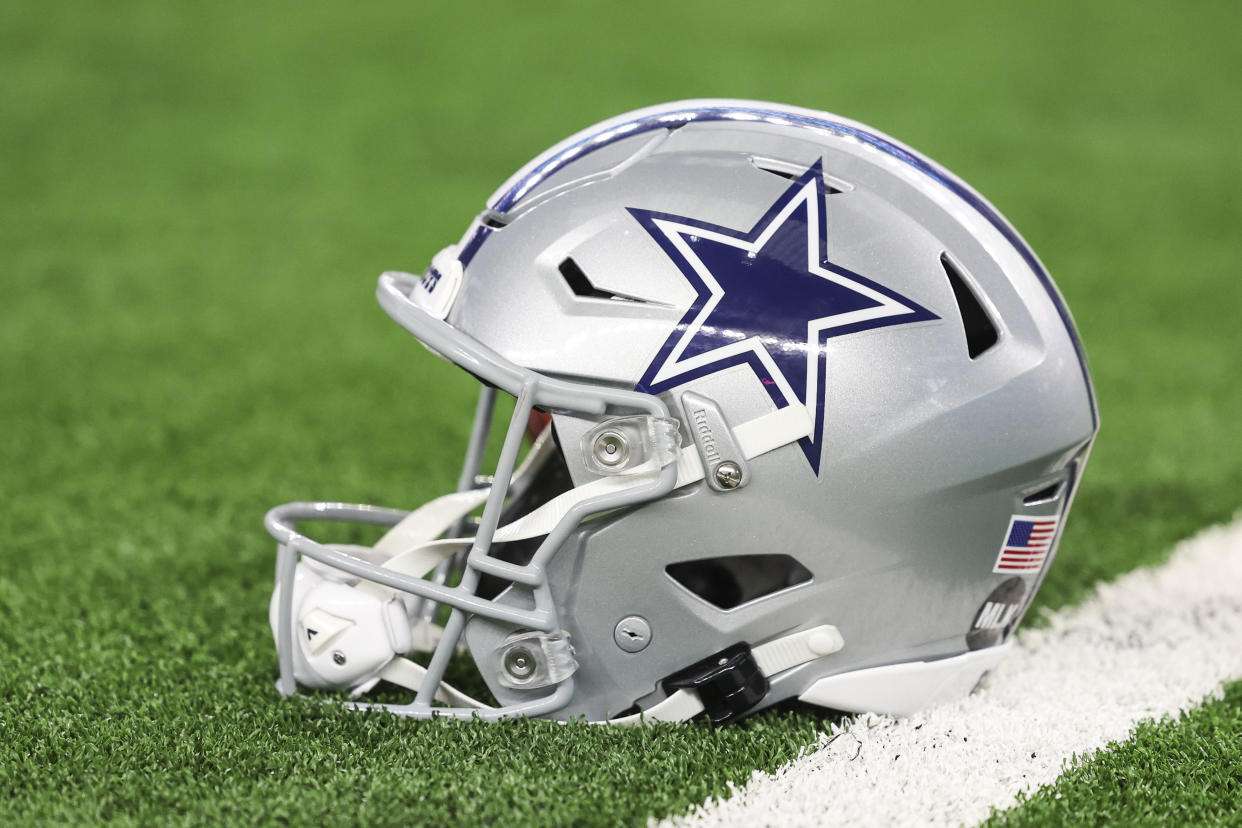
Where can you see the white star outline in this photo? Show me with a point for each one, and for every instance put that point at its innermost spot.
(676, 233)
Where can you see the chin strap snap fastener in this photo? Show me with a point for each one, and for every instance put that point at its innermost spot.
(728, 683)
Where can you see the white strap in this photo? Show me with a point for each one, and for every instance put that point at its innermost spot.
(679, 707)
(773, 657)
(431, 520)
(407, 674)
(435, 517)
(417, 561)
(543, 520)
(773, 430)
(781, 654)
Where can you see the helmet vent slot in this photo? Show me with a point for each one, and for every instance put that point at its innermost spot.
(731, 581)
(578, 282)
(791, 172)
(981, 332)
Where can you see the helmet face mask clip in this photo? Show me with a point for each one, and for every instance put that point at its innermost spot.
(803, 417)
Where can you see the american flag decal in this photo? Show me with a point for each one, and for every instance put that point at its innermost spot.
(1027, 543)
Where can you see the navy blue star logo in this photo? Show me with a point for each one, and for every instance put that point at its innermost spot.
(768, 298)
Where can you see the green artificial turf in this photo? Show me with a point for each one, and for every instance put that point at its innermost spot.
(1180, 771)
(195, 199)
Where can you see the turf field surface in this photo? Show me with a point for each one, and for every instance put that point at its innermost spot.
(1179, 771)
(195, 200)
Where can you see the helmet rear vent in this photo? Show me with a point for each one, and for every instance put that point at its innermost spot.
(493, 219)
(731, 581)
(981, 332)
(1047, 494)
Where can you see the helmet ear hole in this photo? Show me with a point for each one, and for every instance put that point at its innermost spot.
(731, 581)
(710, 580)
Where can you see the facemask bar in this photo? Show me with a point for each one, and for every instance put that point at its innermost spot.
(469, 479)
(530, 389)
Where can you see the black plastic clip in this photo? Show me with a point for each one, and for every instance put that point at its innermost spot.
(728, 683)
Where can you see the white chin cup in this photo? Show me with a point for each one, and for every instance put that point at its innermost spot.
(343, 635)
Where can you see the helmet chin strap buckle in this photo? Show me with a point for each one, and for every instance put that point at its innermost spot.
(728, 683)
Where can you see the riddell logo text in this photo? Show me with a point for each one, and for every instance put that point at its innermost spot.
(705, 436)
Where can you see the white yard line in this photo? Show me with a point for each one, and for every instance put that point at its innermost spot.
(1151, 643)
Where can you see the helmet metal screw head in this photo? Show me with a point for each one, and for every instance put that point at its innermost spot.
(338, 658)
(632, 633)
(728, 475)
(611, 448)
(519, 663)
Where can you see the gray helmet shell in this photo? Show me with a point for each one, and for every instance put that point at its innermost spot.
(926, 451)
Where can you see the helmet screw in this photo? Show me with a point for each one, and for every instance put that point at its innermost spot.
(519, 663)
(338, 658)
(611, 449)
(728, 475)
(632, 633)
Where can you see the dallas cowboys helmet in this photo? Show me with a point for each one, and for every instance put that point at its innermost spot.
(798, 414)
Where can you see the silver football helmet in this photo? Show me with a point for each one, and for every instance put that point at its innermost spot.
(804, 417)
